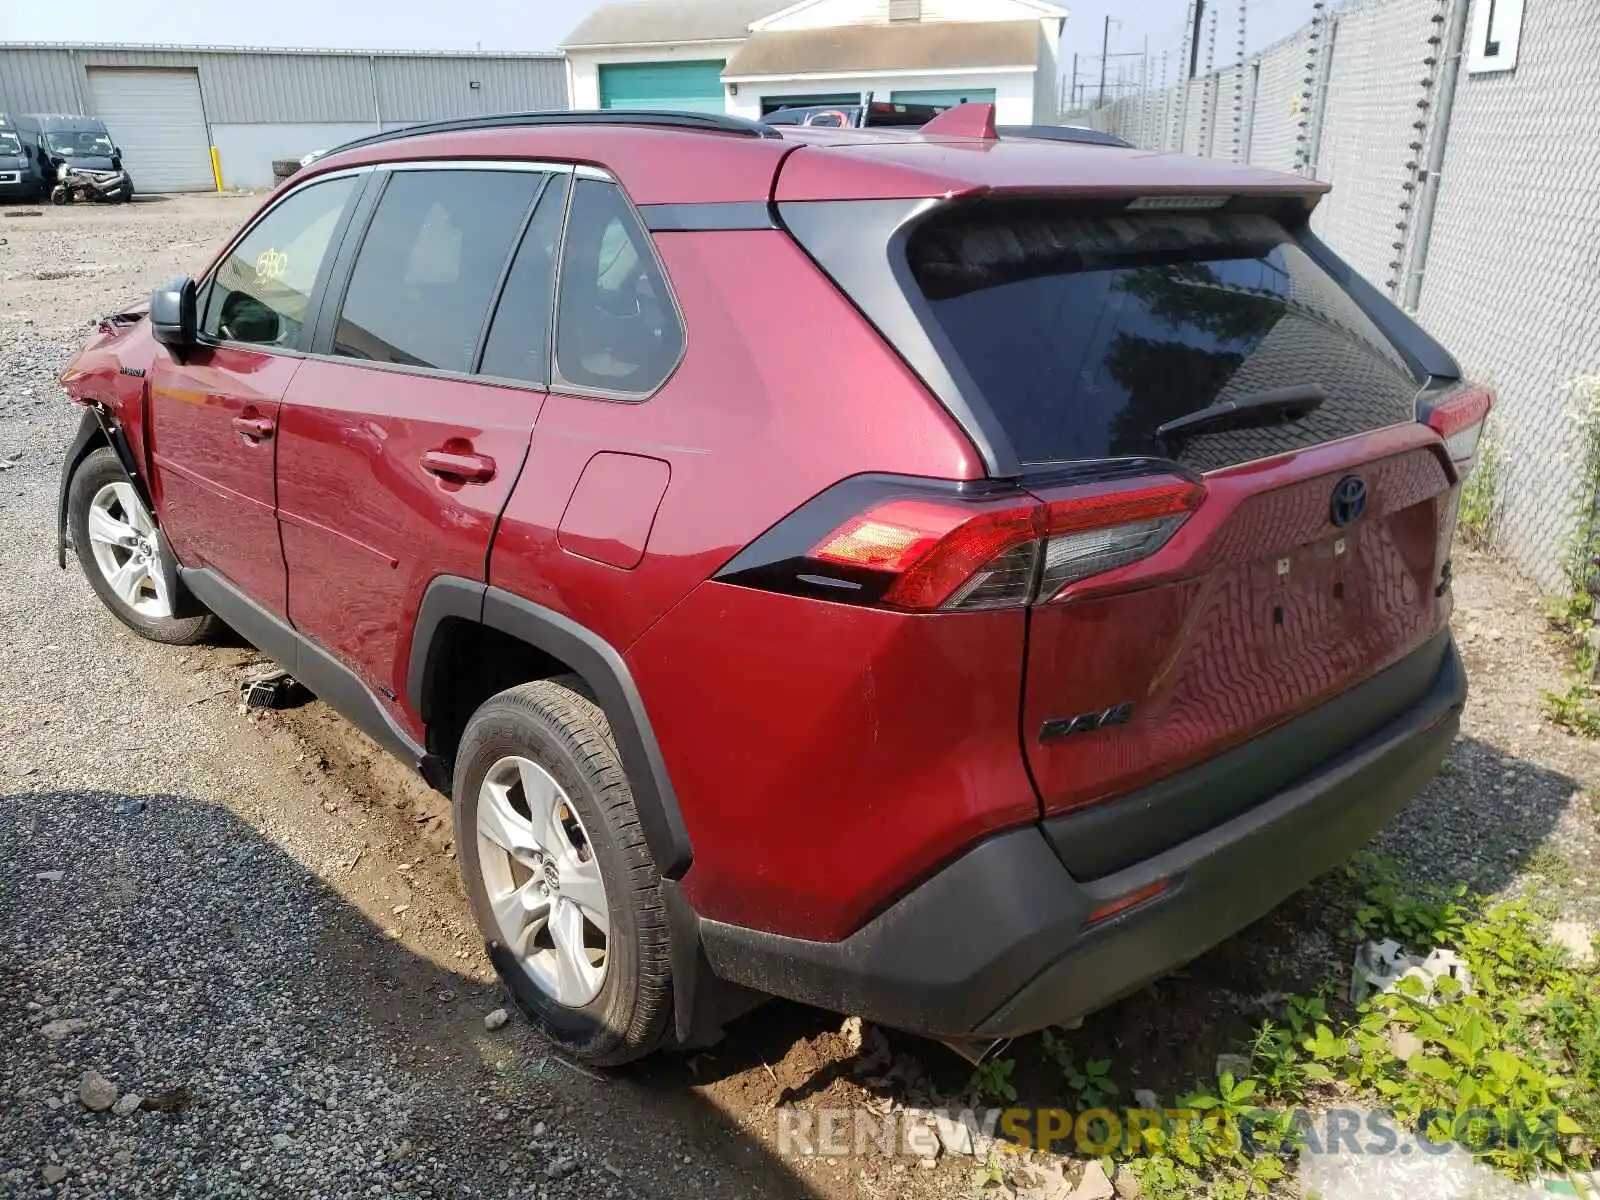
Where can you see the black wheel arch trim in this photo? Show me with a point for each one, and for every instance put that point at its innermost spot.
(591, 657)
(448, 598)
(96, 428)
(99, 428)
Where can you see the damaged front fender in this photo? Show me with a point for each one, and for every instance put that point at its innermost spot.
(95, 430)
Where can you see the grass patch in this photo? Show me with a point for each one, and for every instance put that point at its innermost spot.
(1479, 515)
(1576, 706)
(1519, 1049)
(1553, 865)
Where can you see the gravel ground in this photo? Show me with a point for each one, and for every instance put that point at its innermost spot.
(181, 963)
(254, 924)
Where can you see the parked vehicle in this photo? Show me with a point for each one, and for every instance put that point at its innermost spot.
(75, 184)
(1083, 593)
(877, 113)
(80, 154)
(21, 173)
(880, 114)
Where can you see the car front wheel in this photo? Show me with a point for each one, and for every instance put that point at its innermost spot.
(114, 535)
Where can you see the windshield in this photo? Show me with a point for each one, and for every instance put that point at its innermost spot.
(10, 145)
(82, 143)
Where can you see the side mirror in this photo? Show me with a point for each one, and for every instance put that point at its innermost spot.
(172, 313)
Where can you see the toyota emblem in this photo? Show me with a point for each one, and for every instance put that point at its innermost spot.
(1349, 500)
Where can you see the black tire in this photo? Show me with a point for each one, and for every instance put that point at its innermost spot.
(98, 469)
(566, 733)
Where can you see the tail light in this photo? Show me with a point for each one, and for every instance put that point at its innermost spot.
(947, 553)
(1458, 418)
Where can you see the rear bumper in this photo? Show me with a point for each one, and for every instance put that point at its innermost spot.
(996, 943)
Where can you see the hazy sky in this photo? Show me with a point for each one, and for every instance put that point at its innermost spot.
(530, 24)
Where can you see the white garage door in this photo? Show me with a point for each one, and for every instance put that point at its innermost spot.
(156, 118)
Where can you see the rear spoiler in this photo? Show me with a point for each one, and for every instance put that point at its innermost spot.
(1064, 133)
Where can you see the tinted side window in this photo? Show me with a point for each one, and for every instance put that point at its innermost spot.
(428, 266)
(261, 290)
(519, 337)
(616, 328)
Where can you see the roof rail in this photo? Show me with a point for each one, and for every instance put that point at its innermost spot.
(1064, 133)
(650, 118)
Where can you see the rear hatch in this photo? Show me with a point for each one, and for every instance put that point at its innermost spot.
(1212, 343)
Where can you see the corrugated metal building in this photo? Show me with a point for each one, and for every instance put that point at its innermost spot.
(166, 106)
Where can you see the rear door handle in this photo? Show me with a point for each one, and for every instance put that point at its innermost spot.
(461, 465)
(254, 429)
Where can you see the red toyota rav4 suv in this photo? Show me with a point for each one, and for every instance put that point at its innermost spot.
(942, 577)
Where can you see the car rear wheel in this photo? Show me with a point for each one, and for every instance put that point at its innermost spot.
(557, 872)
(114, 535)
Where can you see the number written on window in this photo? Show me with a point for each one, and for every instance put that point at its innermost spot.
(262, 290)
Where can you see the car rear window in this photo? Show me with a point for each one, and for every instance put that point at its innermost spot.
(1086, 332)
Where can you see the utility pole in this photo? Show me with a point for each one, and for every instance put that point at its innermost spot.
(1105, 44)
(1144, 94)
(1074, 79)
(1194, 37)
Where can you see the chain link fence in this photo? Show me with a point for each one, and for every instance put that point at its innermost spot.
(1461, 147)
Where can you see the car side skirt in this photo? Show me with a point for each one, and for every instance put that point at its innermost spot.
(309, 663)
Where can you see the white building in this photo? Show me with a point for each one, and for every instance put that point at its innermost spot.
(749, 57)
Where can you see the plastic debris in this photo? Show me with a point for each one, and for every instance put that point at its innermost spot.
(266, 685)
(1405, 1174)
(1237, 1065)
(1380, 966)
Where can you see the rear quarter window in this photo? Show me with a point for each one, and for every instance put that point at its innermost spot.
(1085, 333)
(617, 328)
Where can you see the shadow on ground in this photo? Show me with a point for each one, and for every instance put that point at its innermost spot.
(295, 1048)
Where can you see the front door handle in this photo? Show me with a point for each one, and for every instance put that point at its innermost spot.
(459, 465)
(253, 429)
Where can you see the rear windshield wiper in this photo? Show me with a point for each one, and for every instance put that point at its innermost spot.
(1257, 408)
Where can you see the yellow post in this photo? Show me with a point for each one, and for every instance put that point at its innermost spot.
(216, 167)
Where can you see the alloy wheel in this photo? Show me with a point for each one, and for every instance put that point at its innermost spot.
(543, 881)
(122, 535)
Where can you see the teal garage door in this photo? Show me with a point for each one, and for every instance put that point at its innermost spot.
(691, 86)
(945, 97)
